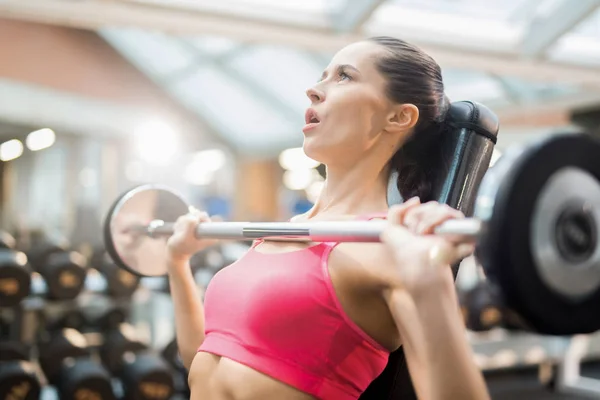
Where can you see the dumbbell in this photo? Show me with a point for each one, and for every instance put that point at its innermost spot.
(171, 354)
(18, 377)
(144, 374)
(71, 318)
(65, 358)
(66, 274)
(99, 320)
(119, 283)
(461, 294)
(63, 271)
(15, 273)
(482, 307)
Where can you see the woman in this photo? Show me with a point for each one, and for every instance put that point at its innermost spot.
(301, 321)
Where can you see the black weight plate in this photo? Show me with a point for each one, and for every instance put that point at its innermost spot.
(85, 379)
(120, 282)
(505, 246)
(147, 376)
(484, 310)
(67, 343)
(15, 277)
(18, 380)
(111, 319)
(117, 342)
(13, 351)
(171, 354)
(172, 206)
(38, 255)
(65, 274)
(107, 235)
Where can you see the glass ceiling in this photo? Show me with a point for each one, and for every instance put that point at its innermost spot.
(503, 10)
(253, 93)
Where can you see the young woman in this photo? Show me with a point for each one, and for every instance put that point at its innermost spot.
(301, 321)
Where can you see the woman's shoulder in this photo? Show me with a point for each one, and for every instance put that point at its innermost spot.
(370, 264)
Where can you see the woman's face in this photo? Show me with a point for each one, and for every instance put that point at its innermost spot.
(350, 105)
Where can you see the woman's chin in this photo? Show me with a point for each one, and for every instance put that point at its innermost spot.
(314, 150)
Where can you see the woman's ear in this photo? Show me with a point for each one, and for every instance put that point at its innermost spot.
(402, 118)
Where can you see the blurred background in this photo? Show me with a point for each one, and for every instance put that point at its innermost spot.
(97, 96)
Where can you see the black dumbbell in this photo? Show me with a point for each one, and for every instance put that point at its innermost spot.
(86, 320)
(463, 305)
(119, 283)
(65, 358)
(73, 318)
(63, 271)
(18, 377)
(106, 319)
(171, 354)
(15, 276)
(143, 374)
(483, 306)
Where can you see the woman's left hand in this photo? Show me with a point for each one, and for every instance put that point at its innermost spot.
(422, 258)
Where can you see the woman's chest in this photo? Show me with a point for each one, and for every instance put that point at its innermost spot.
(298, 293)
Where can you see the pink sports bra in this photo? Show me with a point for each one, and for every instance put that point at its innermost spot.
(278, 314)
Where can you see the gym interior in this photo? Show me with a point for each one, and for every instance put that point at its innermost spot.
(208, 99)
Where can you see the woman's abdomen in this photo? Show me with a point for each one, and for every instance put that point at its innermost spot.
(217, 378)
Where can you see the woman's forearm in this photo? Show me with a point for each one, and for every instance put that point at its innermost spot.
(189, 310)
(438, 353)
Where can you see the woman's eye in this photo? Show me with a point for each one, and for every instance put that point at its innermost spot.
(344, 76)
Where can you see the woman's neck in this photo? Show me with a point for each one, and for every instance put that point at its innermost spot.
(357, 190)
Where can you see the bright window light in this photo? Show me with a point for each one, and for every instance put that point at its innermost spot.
(88, 177)
(200, 171)
(198, 176)
(134, 171)
(295, 159)
(314, 190)
(40, 139)
(209, 160)
(11, 150)
(156, 142)
(300, 179)
(496, 154)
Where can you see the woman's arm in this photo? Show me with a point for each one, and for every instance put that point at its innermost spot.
(423, 303)
(189, 310)
(439, 356)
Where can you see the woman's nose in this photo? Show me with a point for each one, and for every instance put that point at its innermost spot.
(315, 95)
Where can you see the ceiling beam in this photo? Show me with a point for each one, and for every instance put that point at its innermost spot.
(544, 31)
(354, 14)
(96, 14)
(558, 104)
(43, 107)
(254, 87)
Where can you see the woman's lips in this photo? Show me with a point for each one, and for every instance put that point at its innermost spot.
(310, 126)
(311, 118)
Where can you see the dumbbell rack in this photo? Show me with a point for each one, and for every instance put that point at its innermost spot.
(26, 316)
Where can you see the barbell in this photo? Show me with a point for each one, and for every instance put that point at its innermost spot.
(535, 220)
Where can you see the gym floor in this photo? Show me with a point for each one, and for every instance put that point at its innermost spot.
(524, 384)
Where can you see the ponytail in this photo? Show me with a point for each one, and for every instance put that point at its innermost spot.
(419, 160)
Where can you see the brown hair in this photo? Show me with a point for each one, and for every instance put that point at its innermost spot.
(414, 77)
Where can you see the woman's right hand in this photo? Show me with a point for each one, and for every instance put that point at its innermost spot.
(422, 258)
(183, 244)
